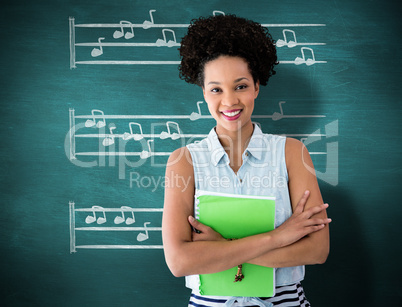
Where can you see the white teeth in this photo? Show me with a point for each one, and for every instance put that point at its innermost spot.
(231, 114)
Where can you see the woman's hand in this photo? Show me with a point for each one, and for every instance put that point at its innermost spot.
(301, 223)
(202, 232)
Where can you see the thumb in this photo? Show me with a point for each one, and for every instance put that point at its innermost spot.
(195, 223)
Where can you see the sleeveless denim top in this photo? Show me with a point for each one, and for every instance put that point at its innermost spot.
(262, 173)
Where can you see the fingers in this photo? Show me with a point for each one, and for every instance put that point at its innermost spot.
(318, 222)
(304, 198)
(316, 209)
(302, 202)
(316, 228)
(314, 225)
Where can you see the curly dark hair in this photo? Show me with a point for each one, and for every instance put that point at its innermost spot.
(209, 38)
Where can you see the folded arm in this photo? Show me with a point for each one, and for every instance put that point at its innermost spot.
(186, 256)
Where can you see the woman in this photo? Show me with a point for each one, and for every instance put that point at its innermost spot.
(230, 58)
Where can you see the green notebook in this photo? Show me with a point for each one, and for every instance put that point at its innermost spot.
(237, 216)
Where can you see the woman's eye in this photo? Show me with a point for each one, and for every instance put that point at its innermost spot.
(241, 87)
(215, 90)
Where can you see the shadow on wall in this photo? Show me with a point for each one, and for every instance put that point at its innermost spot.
(293, 86)
(344, 280)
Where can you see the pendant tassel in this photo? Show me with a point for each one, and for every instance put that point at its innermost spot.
(239, 276)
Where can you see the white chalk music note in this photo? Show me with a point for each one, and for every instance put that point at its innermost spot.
(147, 24)
(164, 42)
(120, 219)
(276, 115)
(130, 220)
(93, 122)
(168, 134)
(92, 218)
(110, 139)
(132, 135)
(309, 61)
(285, 41)
(218, 12)
(194, 115)
(143, 236)
(120, 33)
(98, 51)
(146, 154)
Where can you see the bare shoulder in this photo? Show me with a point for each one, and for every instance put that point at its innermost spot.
(294, 150)
(292, 143)
(180, 161)
(180, 175)
(297, 157)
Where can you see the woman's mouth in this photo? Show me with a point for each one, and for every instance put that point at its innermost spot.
(231, 114)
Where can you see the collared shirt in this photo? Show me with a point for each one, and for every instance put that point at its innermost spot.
(263, 173)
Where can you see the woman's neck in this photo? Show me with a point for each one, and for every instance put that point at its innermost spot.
(235, 142)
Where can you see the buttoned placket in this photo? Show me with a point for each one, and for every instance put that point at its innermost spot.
(240, 175)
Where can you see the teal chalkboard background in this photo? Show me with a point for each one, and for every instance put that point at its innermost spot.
(357, 155)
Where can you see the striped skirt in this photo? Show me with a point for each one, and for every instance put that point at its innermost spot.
(286, 296)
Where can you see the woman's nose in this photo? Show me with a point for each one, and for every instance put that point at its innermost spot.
(229, 99)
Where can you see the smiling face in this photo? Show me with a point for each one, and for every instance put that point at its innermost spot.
(230, 91)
